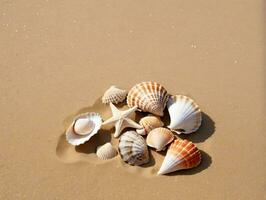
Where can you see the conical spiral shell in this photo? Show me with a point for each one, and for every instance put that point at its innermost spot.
(83, 128)
(149, 123)
(184, 113)
(106, 151)
(133, 149)
(182, 154)
(148, 97)
(114, 95)
(158, 138)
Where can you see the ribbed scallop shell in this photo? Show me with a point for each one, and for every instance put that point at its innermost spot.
(133, 149)
(158, 138)
(114, 95)
(83, 128)
(149, 97)
(182, 154)
(184, 113)
(149, 123)
(106, 151)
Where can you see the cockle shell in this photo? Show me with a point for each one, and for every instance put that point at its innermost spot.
(158, 138)
(184, 113)
(83, 128)
(182, 154)
(114, 95)
(148, 97)
(133, 149)
(106, 151)
(148, 123)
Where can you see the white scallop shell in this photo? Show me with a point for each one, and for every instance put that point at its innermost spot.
(184, 113)
(114, 95)
(148, 97)
(158, 138)
(106, 151)
(133, 149)
(83, 128)
(149, 123)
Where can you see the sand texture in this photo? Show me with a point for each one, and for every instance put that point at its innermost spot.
(58, 57)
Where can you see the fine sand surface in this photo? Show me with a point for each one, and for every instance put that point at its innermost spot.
(58, 57)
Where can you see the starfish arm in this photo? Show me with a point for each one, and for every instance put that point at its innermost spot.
(109, 121)
(119, 126)
(132, 124)
(129, 111)
(114, 110)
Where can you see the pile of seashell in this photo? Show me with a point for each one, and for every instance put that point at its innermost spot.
(151, 97)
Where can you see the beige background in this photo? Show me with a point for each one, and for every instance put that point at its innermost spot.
(57, 57)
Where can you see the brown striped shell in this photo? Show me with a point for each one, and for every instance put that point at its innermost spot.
(133, 148)
(148, 97)
(182, 154)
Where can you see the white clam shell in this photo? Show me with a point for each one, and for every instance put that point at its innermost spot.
(184, 113)
(158, 138)
(133, 149)
(106, 151)
(114, 95)
(149, 123)
(148, 97)
(87, 126)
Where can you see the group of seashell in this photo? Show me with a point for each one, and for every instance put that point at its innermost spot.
(151, 97)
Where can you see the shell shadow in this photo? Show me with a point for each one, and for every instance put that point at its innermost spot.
(151, 161)
(205, 163)
(102, 137)
(206, 130)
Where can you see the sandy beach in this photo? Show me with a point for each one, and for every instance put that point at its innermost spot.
(58, 57)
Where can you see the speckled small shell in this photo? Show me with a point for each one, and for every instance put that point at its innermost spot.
(158, 138)
(182, 154)
(114, 95)
(148, 97)
(106, 151)
(133, 149)
(149, 123)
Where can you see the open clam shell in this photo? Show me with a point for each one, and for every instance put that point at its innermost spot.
(158, 138)
(114, 95)
(184, 113)
(182, 154)
(133, 149)
(83, 128)
(149, 97)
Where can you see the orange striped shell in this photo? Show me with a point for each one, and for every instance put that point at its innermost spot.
(149, 97)
(182, 154)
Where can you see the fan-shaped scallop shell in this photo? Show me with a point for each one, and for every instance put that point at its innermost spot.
(182, 154)
(114, 95)
(106, 151)
(158, 138)
(148, 123)
(83, 128)
(148, 97)
(133, 149)
(184, 113)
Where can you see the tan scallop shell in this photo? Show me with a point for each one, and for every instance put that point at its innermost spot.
(182, 154)
(106, 151)
(133, 149)
(184, 113)
(148, 97)
(114, 95)
(158, 138)
(83, 127)
(148, 123)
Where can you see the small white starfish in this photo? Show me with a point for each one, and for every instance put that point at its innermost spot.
(121, 119)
